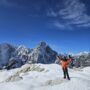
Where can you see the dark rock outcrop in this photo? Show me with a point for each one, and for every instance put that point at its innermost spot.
(6, 52)
(82, 60)
(13, 57)
(42, 54)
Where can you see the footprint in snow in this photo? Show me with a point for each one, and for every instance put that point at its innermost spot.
(55, 82)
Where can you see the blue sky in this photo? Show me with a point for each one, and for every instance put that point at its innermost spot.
(63, 24)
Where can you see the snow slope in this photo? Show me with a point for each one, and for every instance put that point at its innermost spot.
(44, 77)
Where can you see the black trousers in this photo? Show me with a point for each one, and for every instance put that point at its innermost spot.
(65, 73)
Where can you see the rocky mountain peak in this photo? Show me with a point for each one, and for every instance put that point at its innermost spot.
(13, 57)
(42, 44)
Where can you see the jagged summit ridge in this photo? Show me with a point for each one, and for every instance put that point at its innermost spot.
(13, 57)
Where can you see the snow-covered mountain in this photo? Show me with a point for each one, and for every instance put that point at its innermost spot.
(81, 53)
(6, 52)
(42, 54)
(44, 77)
(33, 76)
(82, 59)
(12, 57)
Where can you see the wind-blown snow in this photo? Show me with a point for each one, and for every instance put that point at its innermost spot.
(44, 77)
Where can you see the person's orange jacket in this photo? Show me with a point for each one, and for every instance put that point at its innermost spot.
(64, 64)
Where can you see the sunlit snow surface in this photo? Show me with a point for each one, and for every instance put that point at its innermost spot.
(44, 77)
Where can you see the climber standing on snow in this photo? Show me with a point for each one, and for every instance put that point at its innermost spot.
(64, 63)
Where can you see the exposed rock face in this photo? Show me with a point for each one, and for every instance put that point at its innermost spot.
(82, 60)
(42, 54)
(6, 52)
(22, 53)
(24, 70)
(14, 63)
(12, 57)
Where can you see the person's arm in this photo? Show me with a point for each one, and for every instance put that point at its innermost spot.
(69, 60)
(59, 59)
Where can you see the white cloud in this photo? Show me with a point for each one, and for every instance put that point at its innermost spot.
(73, 12)
(59, 25)
(10, 3)
(84, 25)
(7, 3)
(51, 13)
(62, 26)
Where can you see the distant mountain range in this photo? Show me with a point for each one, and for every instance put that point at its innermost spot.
(82, 59)
(13, 57)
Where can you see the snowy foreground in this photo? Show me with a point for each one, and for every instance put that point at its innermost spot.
(44, 77)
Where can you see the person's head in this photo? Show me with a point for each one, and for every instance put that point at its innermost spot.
(70, 56)
(65, 58)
